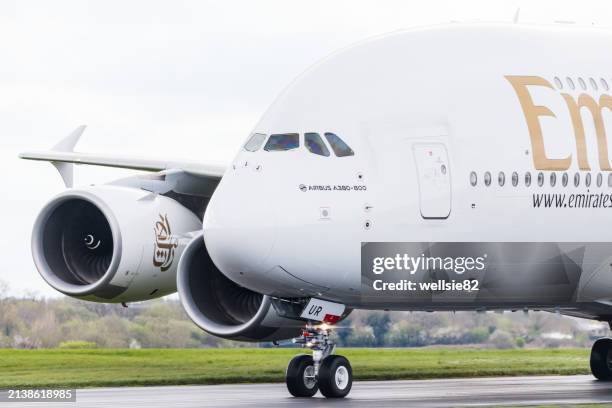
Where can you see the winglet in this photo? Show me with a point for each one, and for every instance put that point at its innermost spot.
(66, 170)
(67, 144)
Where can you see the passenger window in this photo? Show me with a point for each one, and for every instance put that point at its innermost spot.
(599, 179)
(315, 144)
(540, 179)
(576, 179)
(473, 178)
(255, 142)
(564, 179)
(553, 179)
(515, 179)
(281, 142)
(527, 179)
(340, 148)
(487, 178)
(587, 180)
(501, 179)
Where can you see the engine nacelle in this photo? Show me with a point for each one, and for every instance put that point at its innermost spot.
(223, 308)
(111, 244)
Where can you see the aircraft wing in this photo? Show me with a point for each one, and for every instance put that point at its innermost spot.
(63, 157)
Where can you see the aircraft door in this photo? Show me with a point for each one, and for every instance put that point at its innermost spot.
(433, 174)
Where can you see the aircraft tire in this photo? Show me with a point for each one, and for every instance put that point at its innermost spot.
(335, 377)
(300, 376)
(601, 359)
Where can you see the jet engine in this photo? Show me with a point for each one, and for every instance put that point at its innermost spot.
(223, 308)
(111, 243)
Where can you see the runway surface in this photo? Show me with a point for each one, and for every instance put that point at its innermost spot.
(423, 393)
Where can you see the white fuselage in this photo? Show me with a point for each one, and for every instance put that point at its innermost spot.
(422, 110)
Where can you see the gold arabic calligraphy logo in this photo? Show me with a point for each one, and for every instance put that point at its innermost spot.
(165, 244)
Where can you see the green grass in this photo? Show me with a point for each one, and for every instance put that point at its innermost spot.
(124, 367)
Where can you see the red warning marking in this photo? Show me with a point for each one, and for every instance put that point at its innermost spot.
(331, 319)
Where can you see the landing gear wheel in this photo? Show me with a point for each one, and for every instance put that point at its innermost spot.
(601, 359)
(300, 376)
(335, 376)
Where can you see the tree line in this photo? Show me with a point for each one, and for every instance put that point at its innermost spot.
(34, 322)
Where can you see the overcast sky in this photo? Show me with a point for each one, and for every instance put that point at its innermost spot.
(186, 79)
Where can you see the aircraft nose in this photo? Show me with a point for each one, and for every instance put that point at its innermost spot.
(239, 234)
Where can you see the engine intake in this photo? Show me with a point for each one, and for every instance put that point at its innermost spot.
(76, 244)
(86, 240)
(223, 308)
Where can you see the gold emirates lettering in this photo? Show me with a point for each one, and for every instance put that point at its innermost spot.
(533, 112)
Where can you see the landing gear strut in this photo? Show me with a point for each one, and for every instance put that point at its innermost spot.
(324, 371)
(601, 359)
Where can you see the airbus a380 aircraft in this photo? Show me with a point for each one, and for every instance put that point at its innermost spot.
(459, 167)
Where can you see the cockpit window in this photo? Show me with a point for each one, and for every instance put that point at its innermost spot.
(340, 148)
(255, 142)
(315, 144)
(280, 142)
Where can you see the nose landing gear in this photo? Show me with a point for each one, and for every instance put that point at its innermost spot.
(324, 371)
